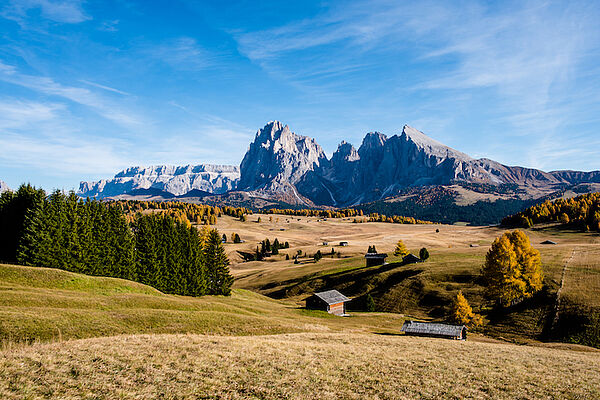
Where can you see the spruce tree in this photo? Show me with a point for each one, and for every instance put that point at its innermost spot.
(15, 209)
(217, 265)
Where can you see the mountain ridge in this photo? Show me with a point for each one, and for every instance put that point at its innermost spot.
(287, 167)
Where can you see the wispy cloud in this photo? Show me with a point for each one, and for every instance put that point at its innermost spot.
(60, 155)
(83, 96)
(16, 114)
(108, 88)
(182, 53)
(65, 11)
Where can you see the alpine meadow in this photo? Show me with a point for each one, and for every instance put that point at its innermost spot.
(426, 227)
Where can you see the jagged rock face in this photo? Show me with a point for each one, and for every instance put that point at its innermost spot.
(178, 181)
(385, 166)
(278, 159)
(280, 165)
(3, 187)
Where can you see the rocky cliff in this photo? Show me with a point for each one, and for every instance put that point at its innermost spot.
(277, 160)
(3, 187)
(178, 181)
(283, 166)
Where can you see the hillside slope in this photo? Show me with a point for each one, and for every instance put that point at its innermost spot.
(51, 304)
(295, 366)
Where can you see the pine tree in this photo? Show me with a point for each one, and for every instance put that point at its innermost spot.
(15, 208)
(217, 265)
(512, 269)
(423, 254)
(401, 249)
(318, 256)
(224, 238)
(369, 303)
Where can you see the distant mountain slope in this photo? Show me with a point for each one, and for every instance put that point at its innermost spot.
(177, 181)
(388, 173)
(3, 187)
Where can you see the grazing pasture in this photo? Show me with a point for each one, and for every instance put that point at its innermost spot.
(295, 366)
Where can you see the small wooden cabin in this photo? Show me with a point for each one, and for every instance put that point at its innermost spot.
(414, 328)
(331, 301)
(411, 259)
(375, 259)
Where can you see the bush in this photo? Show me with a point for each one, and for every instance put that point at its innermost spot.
(423, 254)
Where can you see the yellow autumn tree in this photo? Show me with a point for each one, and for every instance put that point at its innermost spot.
(462, 313)
(512, 269)
(401, 249)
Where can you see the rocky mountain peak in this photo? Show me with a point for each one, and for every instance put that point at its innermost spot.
(431, 146)
(278, 158)
(345, 151)
(373, 140)
(3, 187)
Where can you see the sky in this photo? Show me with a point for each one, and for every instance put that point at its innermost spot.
(88, 88)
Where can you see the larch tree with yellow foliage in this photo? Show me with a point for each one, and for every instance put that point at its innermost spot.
(512, 269)
(401, 249)
(462, 313)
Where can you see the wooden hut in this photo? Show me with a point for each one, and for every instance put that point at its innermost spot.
(411, 259)
(331, 301)
(375, 259)
(414, 328)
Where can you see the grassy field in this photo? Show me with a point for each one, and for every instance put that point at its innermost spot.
(67, 335)
(295, 366)
(43, 304)
(419, 290)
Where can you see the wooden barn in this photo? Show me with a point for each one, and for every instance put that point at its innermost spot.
(431, 329)
(331, 301)
(375, 259)
(411, 259)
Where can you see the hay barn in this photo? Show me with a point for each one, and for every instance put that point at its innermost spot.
(431, 329)
(411, 259)
(331, 301)
(375, 259)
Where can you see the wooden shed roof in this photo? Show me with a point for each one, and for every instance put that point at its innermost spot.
(411, 258)
(376, 255)
(332, 297)
(434, 329)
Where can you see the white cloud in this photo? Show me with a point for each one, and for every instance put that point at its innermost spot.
(83, 96)
(65, 11)
(63, 155)
(183, 53)
(16, 114)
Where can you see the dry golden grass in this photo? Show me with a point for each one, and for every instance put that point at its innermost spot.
(295, 366)
(44, 304)
(582, 277)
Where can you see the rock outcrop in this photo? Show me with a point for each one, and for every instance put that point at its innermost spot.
(3, 187)
(277, 160)
(178, 181)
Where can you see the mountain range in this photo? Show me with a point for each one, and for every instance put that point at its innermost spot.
(283, 167)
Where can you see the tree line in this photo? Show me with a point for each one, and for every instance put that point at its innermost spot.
(187, 213)
(95, 238)
(581, 212)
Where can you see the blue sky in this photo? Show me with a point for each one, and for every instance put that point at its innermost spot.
(91, 87)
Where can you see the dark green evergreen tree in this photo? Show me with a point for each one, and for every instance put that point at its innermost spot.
(15, 207)
(217, 265)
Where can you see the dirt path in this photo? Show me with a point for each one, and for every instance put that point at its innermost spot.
(560, 288)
